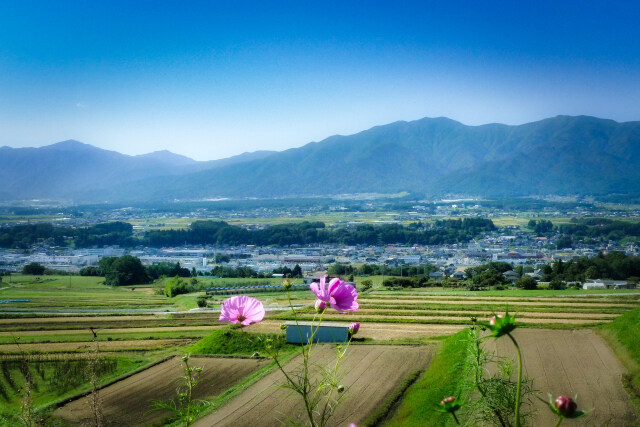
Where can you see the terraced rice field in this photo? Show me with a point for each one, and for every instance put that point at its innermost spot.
(368, 378)
(129, 402)
(576, 358)
(548, 311)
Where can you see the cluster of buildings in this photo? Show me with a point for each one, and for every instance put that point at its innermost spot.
(508, 245)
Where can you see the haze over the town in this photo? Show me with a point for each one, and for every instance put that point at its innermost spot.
(211, 80)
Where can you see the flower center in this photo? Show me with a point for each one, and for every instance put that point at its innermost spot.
(241, 318)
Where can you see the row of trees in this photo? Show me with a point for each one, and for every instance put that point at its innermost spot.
(220, 232)
(128, 270)
(613, 265)
(587, 230)
(110, 233)
(344, 270)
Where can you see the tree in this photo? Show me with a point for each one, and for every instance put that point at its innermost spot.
(90, 271)
(296, 272)
(527, 282)
(488, 278)
(556, 284)
(33, 268)
(126, 270)
(366, 285)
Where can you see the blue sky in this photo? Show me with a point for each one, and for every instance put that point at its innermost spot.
(214, 79)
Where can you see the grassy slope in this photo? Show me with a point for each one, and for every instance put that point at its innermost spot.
(442, 379)
(233, 341)
(623, 335)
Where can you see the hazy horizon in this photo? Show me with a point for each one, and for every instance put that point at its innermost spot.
(247, 152)
(213, 80)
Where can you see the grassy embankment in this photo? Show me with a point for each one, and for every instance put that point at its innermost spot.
(623, 334)
(443, 378)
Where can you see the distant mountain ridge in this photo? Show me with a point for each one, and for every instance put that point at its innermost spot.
(70, 168)
(436, 156)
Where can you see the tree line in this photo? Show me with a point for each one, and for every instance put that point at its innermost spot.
(446, 231)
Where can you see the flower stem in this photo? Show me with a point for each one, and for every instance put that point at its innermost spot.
(455, 418)
(560, 418)
(518, 390)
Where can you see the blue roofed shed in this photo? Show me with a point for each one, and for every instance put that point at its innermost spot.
(328, 332)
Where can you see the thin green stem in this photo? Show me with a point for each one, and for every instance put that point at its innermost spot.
(560, 418)
(479, 356)
(455, 418)
(518, 390)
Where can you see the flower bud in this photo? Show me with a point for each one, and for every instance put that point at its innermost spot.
(566, 405)
(287, 284)
(354, 328)
(449, 399)
(494, 319)
(449, 404)
(340, 388)
(321, 306)
(502, 324)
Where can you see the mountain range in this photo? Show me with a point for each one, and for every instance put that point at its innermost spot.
(563, 155)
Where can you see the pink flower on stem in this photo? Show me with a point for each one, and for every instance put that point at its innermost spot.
(354, 328)
(320, 306)
(566, 405)
(340, 295)
(241, 309)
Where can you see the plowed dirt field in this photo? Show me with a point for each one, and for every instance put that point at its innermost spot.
(573, 362)
(128, 402)
(371, 372)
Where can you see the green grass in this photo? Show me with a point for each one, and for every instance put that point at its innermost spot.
(443, 378)
(74, 292)
(104, 336)
(623, 335)
(505, 293)
(235, 341)
(47, 389)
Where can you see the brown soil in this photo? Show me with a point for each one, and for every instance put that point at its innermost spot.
(379, 331)
(371, 373)
(115, 331)
(488, 314)
(576, 362)
(416, 294)
(129, 402)
(502, 303)
(88, 346)
(463, 319)
(109, 322)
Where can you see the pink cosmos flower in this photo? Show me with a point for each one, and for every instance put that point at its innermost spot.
(340, 295)
(241, 309)
(354, 328)
(320, 306)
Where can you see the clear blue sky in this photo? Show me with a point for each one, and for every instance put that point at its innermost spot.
(213, 79)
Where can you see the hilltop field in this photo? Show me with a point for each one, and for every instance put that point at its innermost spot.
(575, 342)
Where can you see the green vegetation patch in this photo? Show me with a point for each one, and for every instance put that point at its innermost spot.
(56, 378)
(235, 341)
(622, 333)
(444, 377)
